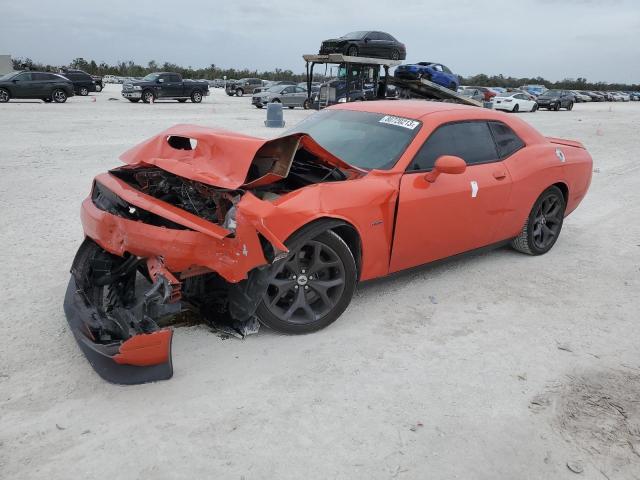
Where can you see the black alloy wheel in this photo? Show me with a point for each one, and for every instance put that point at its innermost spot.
(542, 228)
(311, 287)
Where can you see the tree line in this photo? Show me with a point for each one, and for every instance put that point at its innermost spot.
(132, 69)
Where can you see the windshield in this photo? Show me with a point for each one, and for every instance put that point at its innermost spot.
(362, 139)
(152, 77)
(469, 92)
(276, 89)
(506, 94)
(551, 93)
(354, 35)
(7, 76)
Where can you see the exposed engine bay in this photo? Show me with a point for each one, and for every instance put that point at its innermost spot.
(214, 203)
(147, 261)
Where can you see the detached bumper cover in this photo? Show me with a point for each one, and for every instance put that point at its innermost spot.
(140, 359)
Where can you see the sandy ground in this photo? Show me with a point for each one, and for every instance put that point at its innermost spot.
(497, 366)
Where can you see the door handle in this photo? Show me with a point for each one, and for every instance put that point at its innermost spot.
(499, 174)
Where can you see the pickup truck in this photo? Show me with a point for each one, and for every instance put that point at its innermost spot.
(164, 85)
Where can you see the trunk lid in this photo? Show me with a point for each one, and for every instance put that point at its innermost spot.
(568, 143)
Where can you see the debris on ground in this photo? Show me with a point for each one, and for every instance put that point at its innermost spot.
(575, 467)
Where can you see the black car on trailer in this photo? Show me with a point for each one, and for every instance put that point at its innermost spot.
(365, 44)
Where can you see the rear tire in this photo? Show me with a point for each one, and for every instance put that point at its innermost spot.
(516, 108)
(395, 55)
(196, 96)
(570, 106)
(543, 225)
(352, 51)
(452, 86)
(98, 88)
(306, 105)
(5, 96)
(83, 91)
(534, 108)
(239, 92)
(325, 279)
(59, 95)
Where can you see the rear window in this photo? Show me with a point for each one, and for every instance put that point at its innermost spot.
(362, 139)
(506, 139)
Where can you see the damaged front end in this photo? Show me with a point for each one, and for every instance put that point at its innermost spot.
(182, 228)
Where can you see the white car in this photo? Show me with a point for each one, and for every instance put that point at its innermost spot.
(514, 102)
(620, 97)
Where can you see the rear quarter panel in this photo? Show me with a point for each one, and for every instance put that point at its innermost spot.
(534, 169)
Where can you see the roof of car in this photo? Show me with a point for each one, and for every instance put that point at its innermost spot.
(414, 109)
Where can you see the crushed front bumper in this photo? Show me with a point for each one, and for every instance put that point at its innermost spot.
(140, 359)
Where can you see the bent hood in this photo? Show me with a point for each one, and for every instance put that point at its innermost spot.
(225, 159)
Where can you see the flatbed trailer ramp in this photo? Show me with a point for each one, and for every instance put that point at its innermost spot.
(423, 88)
(419, 88)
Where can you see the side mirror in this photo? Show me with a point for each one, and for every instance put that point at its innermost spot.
(446, 164)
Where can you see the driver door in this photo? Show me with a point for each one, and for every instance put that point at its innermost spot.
(455, 213)
(24, 86)
(287, 96)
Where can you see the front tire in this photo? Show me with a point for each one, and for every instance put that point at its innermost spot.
(5, 96)
(196, 96)
(395, 55)
(98, 88)
(312, 287)
(534, 108)
(570, 106)
(543, 225)
(59, 95)
(148, 96)
(306, 105)
(516, 108)
(352, 51)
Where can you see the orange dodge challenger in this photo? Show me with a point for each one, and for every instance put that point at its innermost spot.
(239, 228)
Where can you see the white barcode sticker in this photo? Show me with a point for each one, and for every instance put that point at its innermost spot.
(399, 122)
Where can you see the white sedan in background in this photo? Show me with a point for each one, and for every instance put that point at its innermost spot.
(514, 102)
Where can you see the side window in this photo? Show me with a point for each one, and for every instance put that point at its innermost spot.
(40, 76)
(374, 36)
(471, 141)
(289, 90)
(446, 70)
(300, 90)
(23, 77)
(506, 139)
(437, 67)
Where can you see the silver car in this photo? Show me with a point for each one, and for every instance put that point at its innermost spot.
(288, 95)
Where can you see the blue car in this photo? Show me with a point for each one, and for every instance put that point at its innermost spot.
(435, 72)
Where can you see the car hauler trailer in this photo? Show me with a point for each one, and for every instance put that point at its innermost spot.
(359, 79)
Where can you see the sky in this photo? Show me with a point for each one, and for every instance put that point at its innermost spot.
(595, 39)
